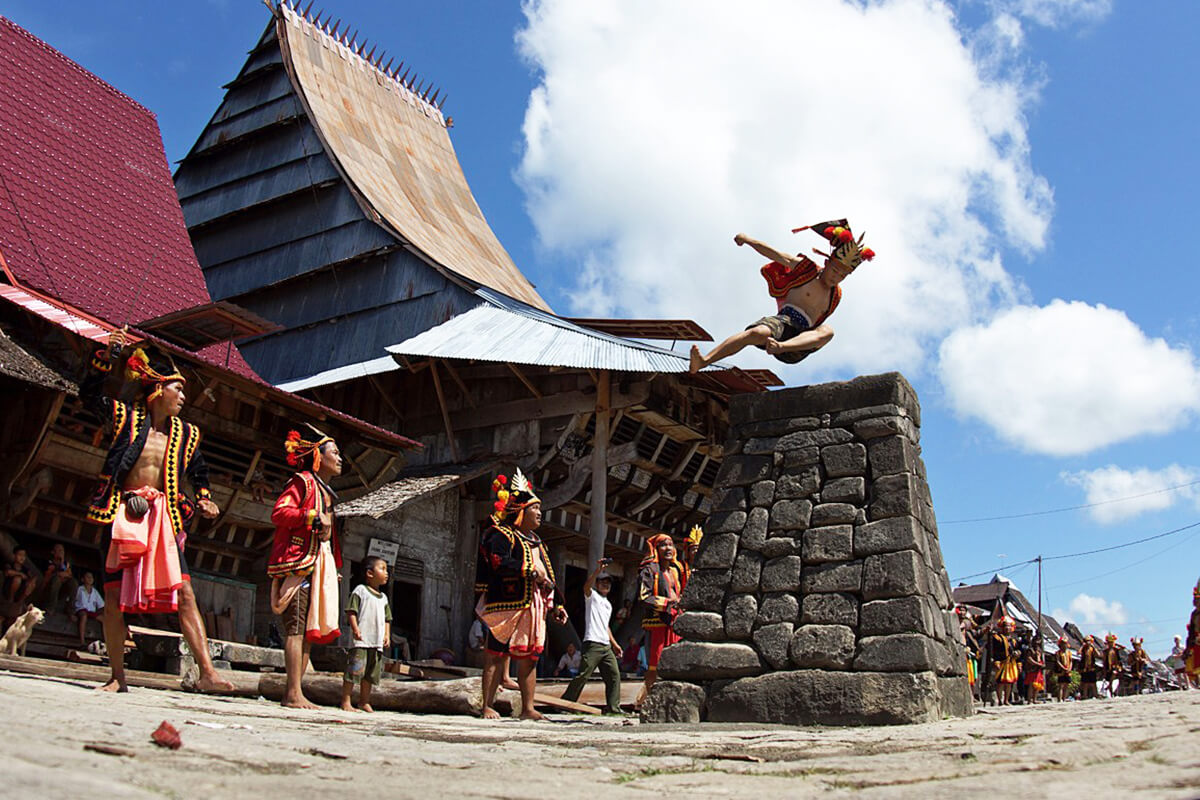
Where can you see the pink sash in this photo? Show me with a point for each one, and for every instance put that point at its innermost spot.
(147, 554)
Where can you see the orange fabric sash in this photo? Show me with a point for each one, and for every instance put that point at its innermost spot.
(323, 626)
(147, 554)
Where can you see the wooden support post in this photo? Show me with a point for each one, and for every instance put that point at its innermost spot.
(599, 515)
(441, 396)
(462, 387)
(521, 377)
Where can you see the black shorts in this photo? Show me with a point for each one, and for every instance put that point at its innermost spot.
(114, 578)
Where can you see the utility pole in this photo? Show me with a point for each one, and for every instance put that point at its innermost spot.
(1041, 644)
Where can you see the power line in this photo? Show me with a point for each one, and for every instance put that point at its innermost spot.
(1134, 564)
(1089, 553)
(1069, 508)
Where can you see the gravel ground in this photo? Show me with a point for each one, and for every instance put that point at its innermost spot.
(61, 739)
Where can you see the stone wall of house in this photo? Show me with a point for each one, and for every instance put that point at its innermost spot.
(438, 532)
(819, 595)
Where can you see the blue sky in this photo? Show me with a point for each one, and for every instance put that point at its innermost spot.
(1023, 167)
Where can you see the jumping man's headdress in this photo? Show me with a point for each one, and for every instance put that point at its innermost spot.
(137, 368)
(515, 499)
(845, 249)
(298, 447)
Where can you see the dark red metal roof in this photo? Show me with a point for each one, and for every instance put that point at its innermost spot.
(88, 211)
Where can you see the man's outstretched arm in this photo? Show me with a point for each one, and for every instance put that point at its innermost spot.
(765, 250)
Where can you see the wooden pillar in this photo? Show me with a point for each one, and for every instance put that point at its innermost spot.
(600, 470)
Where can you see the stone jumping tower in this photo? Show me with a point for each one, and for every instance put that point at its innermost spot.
(819, 595)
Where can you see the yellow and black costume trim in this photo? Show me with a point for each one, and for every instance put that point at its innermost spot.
(509, 557)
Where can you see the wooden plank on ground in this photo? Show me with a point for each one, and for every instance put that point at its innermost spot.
(84, 672)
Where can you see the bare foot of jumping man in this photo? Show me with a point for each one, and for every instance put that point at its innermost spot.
(695, 360)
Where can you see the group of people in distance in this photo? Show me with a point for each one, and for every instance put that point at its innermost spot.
(1000, 662)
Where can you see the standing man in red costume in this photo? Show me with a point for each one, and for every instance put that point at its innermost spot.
(661, 580)
(141, 497)
(306, 557)
(806, 294)
(520, 592)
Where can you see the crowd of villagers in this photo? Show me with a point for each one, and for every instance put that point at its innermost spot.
(1006, 666)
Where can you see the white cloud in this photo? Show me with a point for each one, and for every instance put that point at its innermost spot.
(1091, 613)
(659, 130)
(1057, 13)
(1068, 378)
(1146, 490)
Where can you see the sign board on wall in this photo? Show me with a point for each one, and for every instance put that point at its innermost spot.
(385, 550)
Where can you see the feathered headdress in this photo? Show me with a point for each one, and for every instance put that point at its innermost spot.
(1196, 592)
(297, 447)
(695, 536)
(1062, 641)
(1110, 639)
(844, 249)
(1135, 641)
(137, 368)
(514, 499)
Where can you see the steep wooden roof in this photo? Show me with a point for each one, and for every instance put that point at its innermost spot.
(393, 148)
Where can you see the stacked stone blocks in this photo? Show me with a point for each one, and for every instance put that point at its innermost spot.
(820, 576)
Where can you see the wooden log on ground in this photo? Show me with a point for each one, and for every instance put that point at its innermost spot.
(88, 673)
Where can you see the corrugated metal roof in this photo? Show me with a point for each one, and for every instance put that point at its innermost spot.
(339, 374)
(505, 330)
(412, 485)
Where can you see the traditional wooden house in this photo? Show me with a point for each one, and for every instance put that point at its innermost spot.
(92, 239)
(325, 196)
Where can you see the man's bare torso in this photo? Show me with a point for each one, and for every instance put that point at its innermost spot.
(148, 470)
(812, 298)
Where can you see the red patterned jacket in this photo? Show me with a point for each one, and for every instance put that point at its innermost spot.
(295, 548)
(782, 279)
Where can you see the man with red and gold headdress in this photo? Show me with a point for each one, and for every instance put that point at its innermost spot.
(1191, 652)
(806, 295)
(1089, 668)
(1111, 659)
(1138, 659)
(520, 591)
(1063, 662)
(661, 580)
(1003, 657)
(306, 556)
(141, 498)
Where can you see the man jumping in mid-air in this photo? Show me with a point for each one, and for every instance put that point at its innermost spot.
(805, 292)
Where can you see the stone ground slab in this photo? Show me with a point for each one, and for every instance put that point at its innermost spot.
(1139, 746)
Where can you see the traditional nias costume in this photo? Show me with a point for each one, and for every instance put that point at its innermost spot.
(304, 563)
(790, 321)
(1112, 662)
(1138, 659)
(661, 585)
(1005, 666)
(148, 524)
(520, 578)
(1191, 652)
(1089, 668)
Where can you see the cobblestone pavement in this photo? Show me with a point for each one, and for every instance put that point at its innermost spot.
(60, 739)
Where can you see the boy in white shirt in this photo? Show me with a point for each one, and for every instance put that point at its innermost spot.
(89, 603)
(600, 649)
(370, 618)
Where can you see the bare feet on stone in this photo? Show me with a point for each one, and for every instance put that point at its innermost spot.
(113, 685)
(489, 713)
(509, 683)
(535, 716)
(347, 706)
(212, 682)
(367, 708)
(301, 702)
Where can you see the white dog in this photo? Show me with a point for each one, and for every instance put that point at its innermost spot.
(19, 632)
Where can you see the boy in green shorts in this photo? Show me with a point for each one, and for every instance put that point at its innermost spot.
(370, 618)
